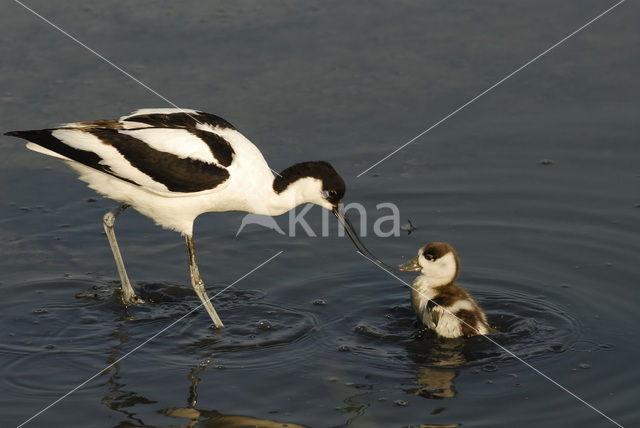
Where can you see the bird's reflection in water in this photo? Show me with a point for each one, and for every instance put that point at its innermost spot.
(212, 418)
(434, 383)
(439, 426)
(120, 400)
(354, 398)
(437, 360)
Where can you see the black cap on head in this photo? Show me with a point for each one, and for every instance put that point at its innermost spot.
(435, 250)
(332, 183)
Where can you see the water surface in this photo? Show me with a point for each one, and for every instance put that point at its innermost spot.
(320, 336)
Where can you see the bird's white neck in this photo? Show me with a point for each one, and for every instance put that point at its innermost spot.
(424, 282)
(270, 202)
(437, 273)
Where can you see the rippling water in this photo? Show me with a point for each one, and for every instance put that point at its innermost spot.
(536, 186)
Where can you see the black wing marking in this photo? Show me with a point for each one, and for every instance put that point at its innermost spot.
(177, 174)
(44, 138)
(179, 120)
(220, 148)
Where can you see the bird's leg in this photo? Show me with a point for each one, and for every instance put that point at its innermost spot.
(195, 381)
(198, 285)
(128, 295)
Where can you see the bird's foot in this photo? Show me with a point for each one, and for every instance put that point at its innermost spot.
(130, 300)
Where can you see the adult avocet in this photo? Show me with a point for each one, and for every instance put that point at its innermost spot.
(173, 164)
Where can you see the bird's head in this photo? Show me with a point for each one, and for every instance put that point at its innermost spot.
(437, 260)
(317, 182)
(314, 182)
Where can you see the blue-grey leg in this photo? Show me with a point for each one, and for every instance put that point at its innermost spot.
(198, 285)
(128, 295)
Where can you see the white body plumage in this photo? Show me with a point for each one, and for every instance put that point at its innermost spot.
(249, 186)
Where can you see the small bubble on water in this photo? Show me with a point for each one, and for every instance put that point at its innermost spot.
(546, 162)
(344, 348)
(40, 311)
(557, 348)
(49, 346)
(319, 302)
(264, 325)
(582, 346)
(401, 403)
(605, 347)
(332, 379)
(584, 366)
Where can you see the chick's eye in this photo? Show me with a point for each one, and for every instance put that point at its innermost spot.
(332, 193)
(429, 257)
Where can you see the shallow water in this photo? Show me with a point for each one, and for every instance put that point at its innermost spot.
(320, 336)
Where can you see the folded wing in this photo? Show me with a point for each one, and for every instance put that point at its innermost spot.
(164, 150)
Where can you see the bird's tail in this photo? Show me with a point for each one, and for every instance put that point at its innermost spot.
(42, 141)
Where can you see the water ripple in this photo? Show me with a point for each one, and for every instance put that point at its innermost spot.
(529, 327)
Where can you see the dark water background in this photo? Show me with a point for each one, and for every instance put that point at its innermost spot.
(550, 251)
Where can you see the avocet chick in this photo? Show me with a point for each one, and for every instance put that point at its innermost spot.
(439, 303)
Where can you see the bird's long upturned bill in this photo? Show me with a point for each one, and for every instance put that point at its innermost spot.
(351, 232)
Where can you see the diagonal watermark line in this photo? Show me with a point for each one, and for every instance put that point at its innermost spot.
(490, 88)
(497, 344)
(120, 69)
(147, 341)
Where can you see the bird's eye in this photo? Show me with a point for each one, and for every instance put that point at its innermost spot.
(429, 257)
(332, 193)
